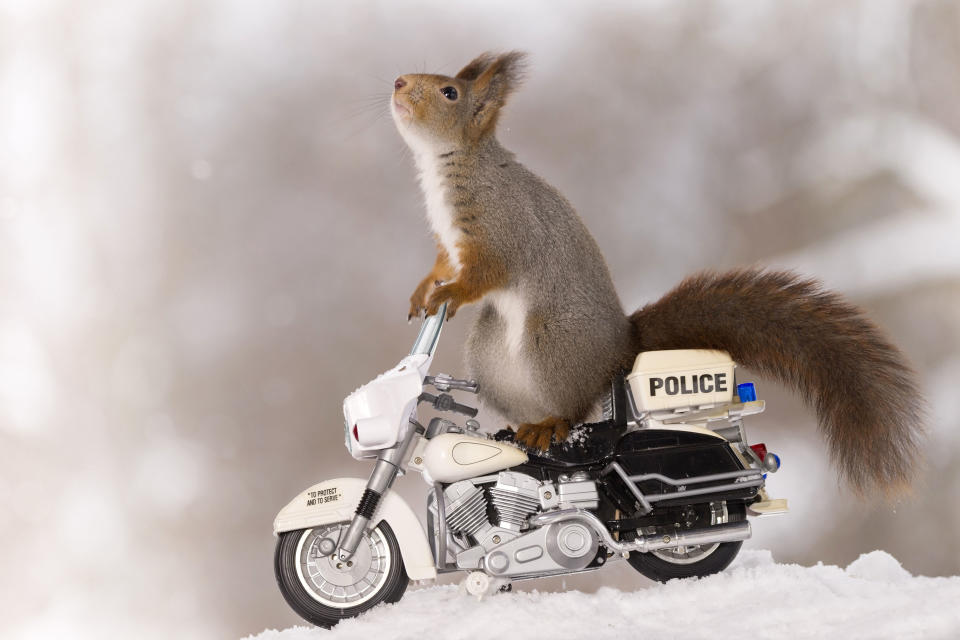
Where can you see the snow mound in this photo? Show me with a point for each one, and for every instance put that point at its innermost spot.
(878, 566)
(875, 597)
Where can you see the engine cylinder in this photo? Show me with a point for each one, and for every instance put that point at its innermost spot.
(466, 508)
(515, 498)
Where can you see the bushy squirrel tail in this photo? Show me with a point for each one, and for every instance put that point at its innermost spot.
(791, 329)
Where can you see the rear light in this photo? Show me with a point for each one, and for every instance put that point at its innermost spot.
(774, 464)
(759, 449)
(356, 434)
(768, 460)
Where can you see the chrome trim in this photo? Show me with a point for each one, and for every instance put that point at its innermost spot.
(384, 473)
(555, 574)
(426, 342)
(707, 490)
(644, 503)
(729, 532)
(750, 478)
(441, 540)
(444, 382)
(742, 473)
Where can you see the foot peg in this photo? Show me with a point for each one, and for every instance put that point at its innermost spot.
(480, 585)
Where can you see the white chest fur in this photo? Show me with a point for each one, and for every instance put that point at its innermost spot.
(512, 309)
(439, 211)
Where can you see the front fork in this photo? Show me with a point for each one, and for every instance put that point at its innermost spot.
(384, 473)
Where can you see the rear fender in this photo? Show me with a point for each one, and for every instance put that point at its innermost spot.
(336, 501)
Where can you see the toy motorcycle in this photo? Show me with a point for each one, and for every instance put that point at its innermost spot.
(666, 481)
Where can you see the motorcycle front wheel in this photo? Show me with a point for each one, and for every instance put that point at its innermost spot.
(323, 589)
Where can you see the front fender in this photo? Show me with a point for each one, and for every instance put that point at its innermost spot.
(336, 500)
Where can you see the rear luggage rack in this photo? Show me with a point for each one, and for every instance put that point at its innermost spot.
(741, 479)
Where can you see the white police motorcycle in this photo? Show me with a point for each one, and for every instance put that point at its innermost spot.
(666, 481)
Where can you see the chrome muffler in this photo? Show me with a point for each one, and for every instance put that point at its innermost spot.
(728, 532)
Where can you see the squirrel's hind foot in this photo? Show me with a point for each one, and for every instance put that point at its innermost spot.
(538, 434)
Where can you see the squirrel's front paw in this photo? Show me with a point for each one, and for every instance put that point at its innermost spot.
(418, 301)
(449, 293)
(415, 309)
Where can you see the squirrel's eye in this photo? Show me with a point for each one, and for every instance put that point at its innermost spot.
(450, 93)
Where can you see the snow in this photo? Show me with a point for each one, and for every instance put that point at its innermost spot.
(874, 597)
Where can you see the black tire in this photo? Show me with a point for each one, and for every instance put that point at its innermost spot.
(661, 569)
(656, 568)
(298, 595)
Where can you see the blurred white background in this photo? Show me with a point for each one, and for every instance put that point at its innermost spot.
(209, 231)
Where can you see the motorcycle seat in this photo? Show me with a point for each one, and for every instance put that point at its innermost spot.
(587, 444)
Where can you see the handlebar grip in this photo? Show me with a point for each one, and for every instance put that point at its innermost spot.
(465, 410)
(445, 402)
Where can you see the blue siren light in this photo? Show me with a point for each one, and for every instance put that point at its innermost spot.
(746, 392)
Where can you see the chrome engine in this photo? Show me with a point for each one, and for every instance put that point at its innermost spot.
(466, 508)
(578, 491)
(514, 498)
(488, 524)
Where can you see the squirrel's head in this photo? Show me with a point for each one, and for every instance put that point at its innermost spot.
(435, 112)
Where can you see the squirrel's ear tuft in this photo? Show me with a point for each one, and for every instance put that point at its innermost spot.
(477, 66)
(500, 76)
(504, 71)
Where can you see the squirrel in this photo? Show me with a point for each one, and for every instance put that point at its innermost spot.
(552, 332)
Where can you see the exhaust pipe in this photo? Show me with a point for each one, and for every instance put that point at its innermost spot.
(728, 532)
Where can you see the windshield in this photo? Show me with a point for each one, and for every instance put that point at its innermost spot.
(426, 342)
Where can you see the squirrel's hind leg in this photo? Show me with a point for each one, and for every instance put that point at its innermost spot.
(539, 434)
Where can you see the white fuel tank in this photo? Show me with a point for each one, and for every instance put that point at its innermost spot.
(450, 457)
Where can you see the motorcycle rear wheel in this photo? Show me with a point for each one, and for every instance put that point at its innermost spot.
(324, 590)
(692, 561)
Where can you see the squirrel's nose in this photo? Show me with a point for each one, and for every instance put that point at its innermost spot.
(399, 83)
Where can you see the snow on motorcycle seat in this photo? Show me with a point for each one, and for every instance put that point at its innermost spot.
(589, 443)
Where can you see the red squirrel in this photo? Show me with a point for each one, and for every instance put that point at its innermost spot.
(552, 332)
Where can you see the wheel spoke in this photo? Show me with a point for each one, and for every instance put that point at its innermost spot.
(348, 583)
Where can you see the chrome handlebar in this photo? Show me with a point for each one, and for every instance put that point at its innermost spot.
(445, 382)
